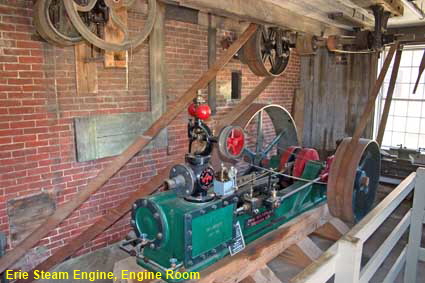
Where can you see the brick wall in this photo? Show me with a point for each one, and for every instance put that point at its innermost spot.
(38, 101)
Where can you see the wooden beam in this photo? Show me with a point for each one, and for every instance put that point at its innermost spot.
(158, 95)
(212, 55)
(263, 12)
(302, 254)
(115, 165)
(388, 100)
(421, 70)
(298, 112)
(263, 250)
(262, 275)
(320, 9)
(395, 7)
(333, 230)
(370, 106)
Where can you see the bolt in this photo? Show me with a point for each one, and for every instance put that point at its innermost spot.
(214, 251)
(225, 203)
(189, 248)
(144, 202)
(133, 222)
(190, 262)
(156, 215)
(364, 181)
(203, 256)
(173, 262)
(159, 236)
(189, 232)
(152, 246)
(188, 216)
(134, 206)
(202, 211)
(214, 206)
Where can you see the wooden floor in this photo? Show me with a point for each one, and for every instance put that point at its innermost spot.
(285, 271)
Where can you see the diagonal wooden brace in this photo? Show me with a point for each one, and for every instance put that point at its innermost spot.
(118, 162)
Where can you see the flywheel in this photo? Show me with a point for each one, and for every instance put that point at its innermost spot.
(74, 10)
(267, 52)
(269, 129)
(354, 179)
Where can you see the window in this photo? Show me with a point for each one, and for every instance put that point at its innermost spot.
(406, 119)
(236, 84)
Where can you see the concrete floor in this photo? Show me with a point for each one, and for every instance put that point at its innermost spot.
(104, 259)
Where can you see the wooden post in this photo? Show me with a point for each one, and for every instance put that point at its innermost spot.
(115, 165)
(416, 224)
(113, 34)
(391, 87)
(212, 54)
(347, 269)
(85, 71)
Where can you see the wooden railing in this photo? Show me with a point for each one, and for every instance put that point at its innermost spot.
(343, 259)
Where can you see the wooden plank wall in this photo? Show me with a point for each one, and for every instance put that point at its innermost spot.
(335, 92)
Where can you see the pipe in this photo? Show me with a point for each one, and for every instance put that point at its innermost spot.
(414, 8)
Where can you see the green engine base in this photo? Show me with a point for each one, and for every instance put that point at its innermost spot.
(191, 236)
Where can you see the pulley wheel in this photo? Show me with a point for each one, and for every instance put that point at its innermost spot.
(354, 179)
(74, 9)
(53, 24)
(267, 52)
(231, 142)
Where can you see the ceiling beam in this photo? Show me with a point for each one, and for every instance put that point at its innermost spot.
(320, 10)
(264, 12)
(395, 7)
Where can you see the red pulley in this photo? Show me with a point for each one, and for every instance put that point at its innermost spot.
(288, 155)
(192, 109)
(231, 142)
(203, 112)
(305, 155)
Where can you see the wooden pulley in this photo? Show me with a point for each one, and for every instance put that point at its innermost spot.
(115, 7)
(52, 23)
(267, 52)
(353, 179)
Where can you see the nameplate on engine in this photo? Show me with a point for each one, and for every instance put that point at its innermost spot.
(257, 219)
(238, 241)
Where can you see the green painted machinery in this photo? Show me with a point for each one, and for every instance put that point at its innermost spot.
(210, 212)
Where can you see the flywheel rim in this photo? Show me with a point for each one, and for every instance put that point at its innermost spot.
(281, 119)
(344, 197)
(46, 28)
